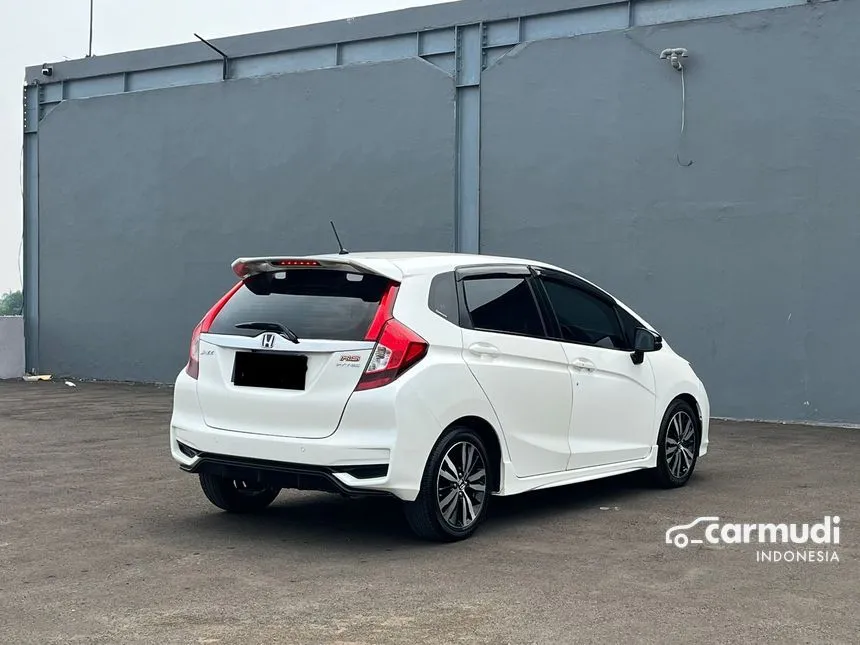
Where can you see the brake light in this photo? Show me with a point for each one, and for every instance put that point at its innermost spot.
(295, 263)
(397, 347)
(193, 367)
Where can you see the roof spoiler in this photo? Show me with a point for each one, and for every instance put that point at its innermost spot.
(247, 267)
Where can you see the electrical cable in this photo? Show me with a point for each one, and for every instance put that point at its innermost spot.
(683, 121)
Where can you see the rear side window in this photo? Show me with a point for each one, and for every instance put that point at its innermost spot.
(583, 318)
(504, 305)
(442, 299)
(313, 303)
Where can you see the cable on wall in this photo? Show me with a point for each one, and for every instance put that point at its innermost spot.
(674, 56)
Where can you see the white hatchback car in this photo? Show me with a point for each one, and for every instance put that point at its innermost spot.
(440, 379)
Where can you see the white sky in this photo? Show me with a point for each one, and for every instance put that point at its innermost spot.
(41, 31)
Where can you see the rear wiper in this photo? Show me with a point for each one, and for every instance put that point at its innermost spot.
(286, 332)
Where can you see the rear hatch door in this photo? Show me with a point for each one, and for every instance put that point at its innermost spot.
(285, 353)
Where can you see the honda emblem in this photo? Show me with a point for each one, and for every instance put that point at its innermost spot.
(268, 341)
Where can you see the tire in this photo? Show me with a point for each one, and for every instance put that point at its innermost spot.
(675, 465)
(454, 494)
(236, 496)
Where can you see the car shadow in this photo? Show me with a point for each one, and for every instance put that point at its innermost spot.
(313, 518)
(298, 518)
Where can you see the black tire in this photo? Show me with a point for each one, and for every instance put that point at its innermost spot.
(675, 465)
(425, 515)
(236, 496)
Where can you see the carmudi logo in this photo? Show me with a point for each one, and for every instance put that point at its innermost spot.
(816, 541)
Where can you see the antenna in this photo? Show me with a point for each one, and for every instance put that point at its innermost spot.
(342, 250)
(225, 58)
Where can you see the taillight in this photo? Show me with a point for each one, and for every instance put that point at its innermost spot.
(397, 347)
(193, 367)
(384, 313)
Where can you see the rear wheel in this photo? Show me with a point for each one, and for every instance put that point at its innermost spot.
(454, 489)
(236, 495)
(678, 445)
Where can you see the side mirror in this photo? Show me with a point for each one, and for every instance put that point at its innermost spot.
(645, 340)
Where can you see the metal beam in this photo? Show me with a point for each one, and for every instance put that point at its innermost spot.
(469, 66)
(31, 226)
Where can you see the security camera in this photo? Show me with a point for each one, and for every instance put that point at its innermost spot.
(47, 70)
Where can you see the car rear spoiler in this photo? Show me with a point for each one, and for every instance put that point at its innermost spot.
(247, 267)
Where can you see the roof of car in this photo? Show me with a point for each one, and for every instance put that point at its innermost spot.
(419, 262)
(397, 265)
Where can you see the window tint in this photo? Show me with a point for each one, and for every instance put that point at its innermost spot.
(314, 303)
(583, 318)
(630, 325)
(443, 297)
(503, 305)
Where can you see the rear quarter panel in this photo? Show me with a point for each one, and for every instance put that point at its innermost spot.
(447, 386)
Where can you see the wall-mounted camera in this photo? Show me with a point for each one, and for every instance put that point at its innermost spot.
(47, 70)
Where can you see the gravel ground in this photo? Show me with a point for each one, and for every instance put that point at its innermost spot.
(104, 540)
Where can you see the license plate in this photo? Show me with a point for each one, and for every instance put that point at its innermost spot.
(274, 370)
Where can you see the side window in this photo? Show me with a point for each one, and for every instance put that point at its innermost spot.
(443, 297)
(583, 318)
(504, 305)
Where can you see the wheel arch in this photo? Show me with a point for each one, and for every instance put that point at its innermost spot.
(491, 440)
(689, 398)
(693, 402)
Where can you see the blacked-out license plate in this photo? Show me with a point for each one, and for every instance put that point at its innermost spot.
(270, 369)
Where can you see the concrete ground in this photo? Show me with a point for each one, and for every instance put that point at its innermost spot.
(104, 540)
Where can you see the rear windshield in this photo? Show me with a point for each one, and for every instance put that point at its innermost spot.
(313, 303)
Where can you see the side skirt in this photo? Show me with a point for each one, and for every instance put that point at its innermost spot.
(513, 485)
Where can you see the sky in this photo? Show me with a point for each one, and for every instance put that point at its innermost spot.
(32, 33)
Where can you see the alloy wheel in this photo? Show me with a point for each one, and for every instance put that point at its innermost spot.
(461, 485)
(680, 444)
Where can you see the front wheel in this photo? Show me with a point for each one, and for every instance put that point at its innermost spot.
(454, 491)
(678, 445)
(236, 495)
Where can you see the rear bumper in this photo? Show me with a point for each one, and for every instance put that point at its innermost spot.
(366, 456)
(285, 475)
(313, 464)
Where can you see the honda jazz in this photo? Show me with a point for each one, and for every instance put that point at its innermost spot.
(442, 380)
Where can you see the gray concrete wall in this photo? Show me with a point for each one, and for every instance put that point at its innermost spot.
(11, 346)
(142, 198)
(146, 198)
(746, 260)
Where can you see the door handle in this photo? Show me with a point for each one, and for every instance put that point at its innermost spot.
(484, 349)
(583, 364)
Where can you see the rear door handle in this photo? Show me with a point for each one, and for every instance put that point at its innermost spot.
(583, 364)
(484, 349)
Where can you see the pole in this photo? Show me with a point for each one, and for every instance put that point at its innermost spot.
(90, 50)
